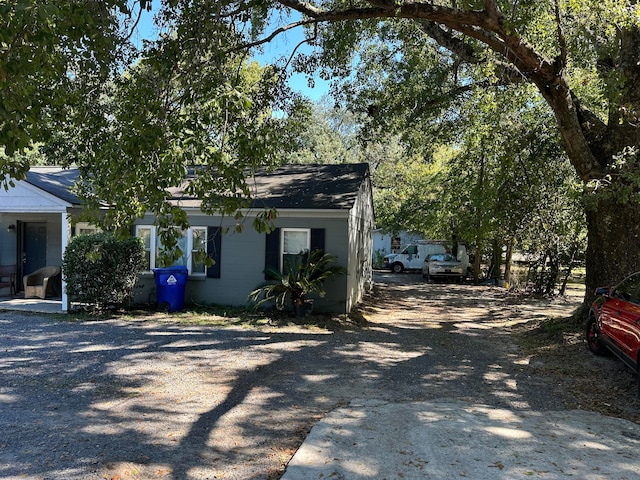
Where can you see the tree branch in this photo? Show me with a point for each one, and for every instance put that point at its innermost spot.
(562, 41)
(274, 34)
(486, 26)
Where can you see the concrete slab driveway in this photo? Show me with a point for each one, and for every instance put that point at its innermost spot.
(432, 387)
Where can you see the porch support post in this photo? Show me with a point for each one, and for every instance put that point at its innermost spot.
(66, 233)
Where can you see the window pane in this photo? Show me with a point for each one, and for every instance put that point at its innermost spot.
(198, 249)
(290, 262)
(182, 245)
(184, 252)
(145, 235)
(628, 289)
(199, 239)
(295, 242)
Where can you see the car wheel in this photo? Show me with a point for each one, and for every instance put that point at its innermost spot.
(397, 268)
(593, 336)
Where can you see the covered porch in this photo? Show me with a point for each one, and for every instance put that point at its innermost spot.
(35, 227)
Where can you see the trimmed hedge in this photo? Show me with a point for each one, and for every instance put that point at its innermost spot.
(101, 269)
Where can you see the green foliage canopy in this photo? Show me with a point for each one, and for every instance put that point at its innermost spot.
(44, 48)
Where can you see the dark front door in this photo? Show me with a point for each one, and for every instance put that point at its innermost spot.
(33, 248)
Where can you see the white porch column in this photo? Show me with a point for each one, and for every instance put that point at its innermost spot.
(66, 234)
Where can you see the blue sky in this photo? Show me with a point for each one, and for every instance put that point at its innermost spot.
(283, 44)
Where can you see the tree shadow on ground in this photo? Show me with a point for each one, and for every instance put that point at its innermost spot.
(171, 401)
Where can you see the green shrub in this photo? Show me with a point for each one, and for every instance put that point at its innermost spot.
(304, 275)
(100, 269)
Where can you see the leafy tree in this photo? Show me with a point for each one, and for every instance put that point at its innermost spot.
(581, 57)
(17, 165)
(329, 136)
(44, 47)
(189, 108)
(490, 184)
(137, 124)
(511, 181)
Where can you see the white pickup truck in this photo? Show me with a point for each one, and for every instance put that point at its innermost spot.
(412, 256)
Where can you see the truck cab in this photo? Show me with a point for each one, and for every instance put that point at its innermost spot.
(411, 257)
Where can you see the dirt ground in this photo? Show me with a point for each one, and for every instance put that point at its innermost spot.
(154, 397)
(550, 345)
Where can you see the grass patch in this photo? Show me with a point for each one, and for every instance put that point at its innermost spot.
(223, 316)
(547, 333)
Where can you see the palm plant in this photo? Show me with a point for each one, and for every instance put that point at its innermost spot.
(303, 274)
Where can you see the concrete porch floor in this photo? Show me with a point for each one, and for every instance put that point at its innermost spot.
(35, 305)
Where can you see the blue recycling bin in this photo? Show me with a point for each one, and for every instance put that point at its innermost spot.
(170, 287)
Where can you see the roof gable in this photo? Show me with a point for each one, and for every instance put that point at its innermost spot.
(25, 197)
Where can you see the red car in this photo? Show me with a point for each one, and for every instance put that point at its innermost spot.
(614, 322)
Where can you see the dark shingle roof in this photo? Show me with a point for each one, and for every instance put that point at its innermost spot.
(334, 186)
(310, 186)
(55, 180)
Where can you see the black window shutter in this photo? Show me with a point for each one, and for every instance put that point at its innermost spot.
(272, 253)
(317, 239)
(214, 246)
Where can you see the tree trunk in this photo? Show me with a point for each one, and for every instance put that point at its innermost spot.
(613, 224)
(496, 259)
(613, 249)
(507, 263)
(477, 260)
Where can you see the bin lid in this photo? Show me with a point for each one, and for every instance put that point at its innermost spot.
(174, 269)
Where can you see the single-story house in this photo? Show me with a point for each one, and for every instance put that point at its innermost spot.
(319, 206)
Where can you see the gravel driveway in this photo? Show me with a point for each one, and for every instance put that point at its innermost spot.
(139, 399)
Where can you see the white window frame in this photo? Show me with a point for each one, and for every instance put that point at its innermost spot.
(190, 246)
(188, 251)
(152, 245)
(283, 232)
(88, 227)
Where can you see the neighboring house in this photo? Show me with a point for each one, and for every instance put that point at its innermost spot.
(319, 206)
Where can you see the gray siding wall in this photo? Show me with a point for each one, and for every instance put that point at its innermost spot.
(7, 240)
(243, 259)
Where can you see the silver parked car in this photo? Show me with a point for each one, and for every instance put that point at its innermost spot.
(443, 265)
